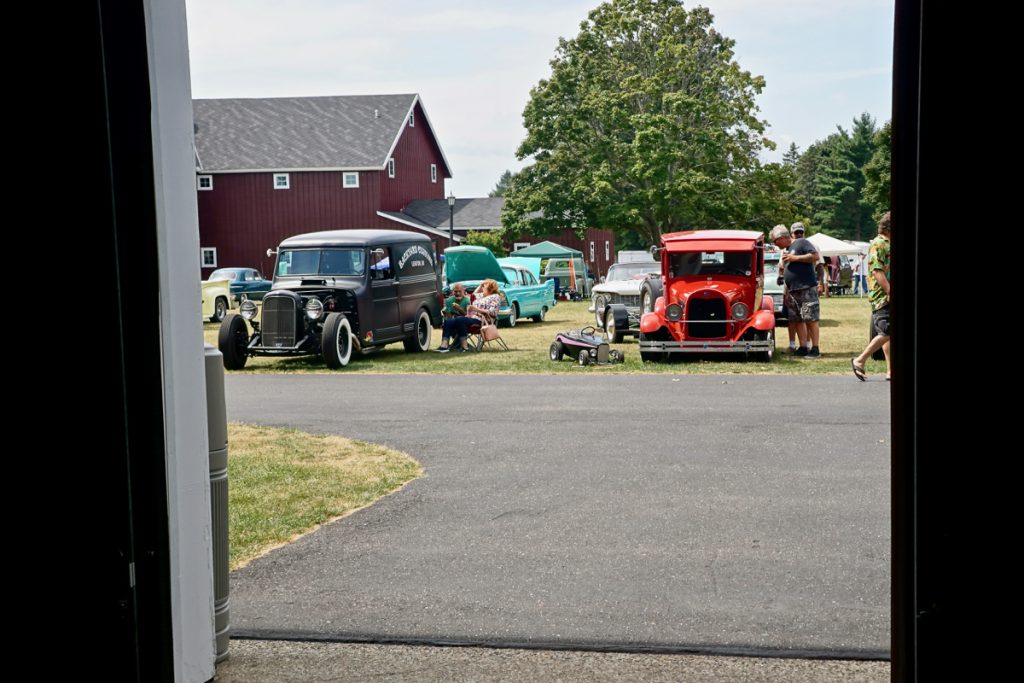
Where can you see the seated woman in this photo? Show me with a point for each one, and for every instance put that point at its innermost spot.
(483, 311)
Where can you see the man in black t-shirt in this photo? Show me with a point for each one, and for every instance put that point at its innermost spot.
(800, 260)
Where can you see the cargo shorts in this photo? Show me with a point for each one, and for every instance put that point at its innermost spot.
(880, 321)
(803, 305)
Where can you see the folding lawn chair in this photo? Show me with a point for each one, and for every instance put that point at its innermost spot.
(474, 342)
(487, 335)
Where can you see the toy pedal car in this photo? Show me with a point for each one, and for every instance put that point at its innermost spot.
(586, 346)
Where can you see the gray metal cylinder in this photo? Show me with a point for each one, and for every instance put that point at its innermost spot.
(217, 421)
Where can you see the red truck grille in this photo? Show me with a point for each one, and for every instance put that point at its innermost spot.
(707, 313)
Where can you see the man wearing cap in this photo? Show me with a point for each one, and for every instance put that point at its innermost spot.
(801, 260)
(790, 324)
(820, 271)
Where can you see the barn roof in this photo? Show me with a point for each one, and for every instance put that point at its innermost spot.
(346, 132)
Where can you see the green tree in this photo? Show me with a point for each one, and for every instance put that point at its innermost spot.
(836, 201)
(829, 180)
(646, 124)
(862, 137)
(878, 174)
(492, 239)
(805, 172)
(503, 184)
(792, 155)
(765, 198)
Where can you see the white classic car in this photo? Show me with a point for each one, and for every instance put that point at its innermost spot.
(621, 286)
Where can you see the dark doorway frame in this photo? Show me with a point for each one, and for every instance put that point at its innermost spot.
(115, 121)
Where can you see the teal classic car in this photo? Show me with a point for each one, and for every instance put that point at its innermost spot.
(522, 294)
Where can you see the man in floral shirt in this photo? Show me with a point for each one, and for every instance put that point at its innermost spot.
(879, 254)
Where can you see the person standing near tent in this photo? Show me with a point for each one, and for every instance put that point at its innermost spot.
(860, 278)
(879, 256)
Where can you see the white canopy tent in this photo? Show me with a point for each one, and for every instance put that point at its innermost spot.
(830, 246)
(863, 246)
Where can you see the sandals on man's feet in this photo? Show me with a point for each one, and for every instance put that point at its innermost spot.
(859, 372)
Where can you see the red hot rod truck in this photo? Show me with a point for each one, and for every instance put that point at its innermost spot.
(710, 298)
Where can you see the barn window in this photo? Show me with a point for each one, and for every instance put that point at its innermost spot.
(607, 250)
(391, 167)
(204, 182)
(281, 181)
(412, 119)
(350, 180)
(208, 257)
(433, 173)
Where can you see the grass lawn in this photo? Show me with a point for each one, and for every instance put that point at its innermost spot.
(283, 483)
(844, 329)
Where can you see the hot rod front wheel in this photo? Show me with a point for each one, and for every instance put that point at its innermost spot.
(232, 341)
(652, 356)
(336, 342)
(556, 351)
(767, 356)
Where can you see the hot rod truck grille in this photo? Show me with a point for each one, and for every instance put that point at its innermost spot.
(278, 325)
(707, 311)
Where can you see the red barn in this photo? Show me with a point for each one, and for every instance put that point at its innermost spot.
(271, 168)
(267, 169)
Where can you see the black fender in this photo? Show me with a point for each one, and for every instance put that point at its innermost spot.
(621, 315)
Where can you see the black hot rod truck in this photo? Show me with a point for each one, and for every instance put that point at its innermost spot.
(341, 292)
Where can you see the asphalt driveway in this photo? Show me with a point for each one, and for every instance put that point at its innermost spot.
(745, 514)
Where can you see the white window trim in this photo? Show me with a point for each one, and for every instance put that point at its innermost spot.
(412, 119)
(287, 181)
(607, 250)
(199, 182)
(202, 257)
(433, 173)
(391, 167)
(520, 245)
(346, 175)
(591, 251)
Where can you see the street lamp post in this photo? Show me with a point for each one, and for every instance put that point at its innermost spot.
(451, 219)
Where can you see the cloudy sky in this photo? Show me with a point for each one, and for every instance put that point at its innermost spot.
(473, 62)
